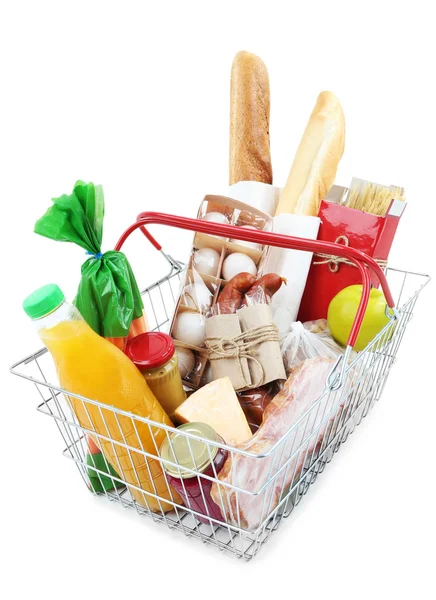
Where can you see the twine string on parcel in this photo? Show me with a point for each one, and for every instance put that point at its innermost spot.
(244, 345)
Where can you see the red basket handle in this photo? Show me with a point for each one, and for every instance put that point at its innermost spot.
(361, 260)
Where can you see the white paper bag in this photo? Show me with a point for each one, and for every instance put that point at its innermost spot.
(292, 264)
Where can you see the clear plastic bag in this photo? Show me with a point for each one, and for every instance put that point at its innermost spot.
(311, 340)
(247, 290)
(254, 402)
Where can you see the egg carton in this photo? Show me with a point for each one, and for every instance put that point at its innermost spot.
(207, 274)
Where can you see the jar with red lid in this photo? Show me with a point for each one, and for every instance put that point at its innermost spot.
(180, 457)
(155, 356)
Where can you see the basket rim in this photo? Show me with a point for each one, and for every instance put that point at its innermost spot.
(32, 357)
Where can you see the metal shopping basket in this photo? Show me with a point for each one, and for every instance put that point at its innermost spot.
(295, 461)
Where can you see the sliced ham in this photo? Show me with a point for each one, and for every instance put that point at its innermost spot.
(300, 405)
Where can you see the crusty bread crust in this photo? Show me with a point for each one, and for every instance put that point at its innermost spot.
(250, 158)
(315, 164)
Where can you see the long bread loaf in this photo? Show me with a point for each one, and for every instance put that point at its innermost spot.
(314, 168)
(250, 158)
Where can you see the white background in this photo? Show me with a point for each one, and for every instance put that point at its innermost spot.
(135, 95)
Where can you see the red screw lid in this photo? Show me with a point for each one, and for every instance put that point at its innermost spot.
(150, 350)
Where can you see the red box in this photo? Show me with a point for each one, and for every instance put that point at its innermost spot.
(361, 230)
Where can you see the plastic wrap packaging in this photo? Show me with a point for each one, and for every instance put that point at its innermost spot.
(289, 410)
(316, 326)
(246, 290)
(320, 327)
(213, 262)
(197, 295)
(309, 340)
(255, 401)
(108, 297)
(198, 292)
(210, 299)
(263, 290)
(220, 209)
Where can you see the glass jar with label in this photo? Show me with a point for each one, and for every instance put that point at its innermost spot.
(181, 455)
(155, 356)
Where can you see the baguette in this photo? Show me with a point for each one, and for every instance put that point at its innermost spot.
(314, 169)
(250, 158)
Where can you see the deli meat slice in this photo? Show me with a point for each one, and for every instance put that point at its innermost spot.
(302, 391)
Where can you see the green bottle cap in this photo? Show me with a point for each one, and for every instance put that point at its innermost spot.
(43, 301)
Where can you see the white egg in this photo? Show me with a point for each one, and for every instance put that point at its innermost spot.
(206, 261)
(238, 263)
(254, 245)
(190, 328)
(198, 296)
(186, 360)
(216, 217)
(207, 376)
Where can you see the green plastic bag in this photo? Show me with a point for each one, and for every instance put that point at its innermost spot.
(98, 482)
(108, 296)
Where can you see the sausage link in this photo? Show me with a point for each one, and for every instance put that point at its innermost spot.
(263, 289)
(231, 295)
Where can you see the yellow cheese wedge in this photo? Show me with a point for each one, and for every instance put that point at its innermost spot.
(217, 405)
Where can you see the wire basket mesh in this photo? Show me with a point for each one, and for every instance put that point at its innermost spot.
(284, 473)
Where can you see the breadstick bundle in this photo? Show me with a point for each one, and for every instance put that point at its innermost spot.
(372, 197)
(365, 218)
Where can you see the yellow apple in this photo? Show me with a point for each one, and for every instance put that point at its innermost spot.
(342, 311)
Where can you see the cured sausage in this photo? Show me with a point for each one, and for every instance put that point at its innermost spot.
(263, 289)
(233, 292)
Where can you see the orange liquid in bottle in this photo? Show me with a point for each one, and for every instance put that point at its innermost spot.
(89, 365)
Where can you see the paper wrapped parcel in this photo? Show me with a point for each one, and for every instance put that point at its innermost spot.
(227, 327)
(292, 264)
(245, 347)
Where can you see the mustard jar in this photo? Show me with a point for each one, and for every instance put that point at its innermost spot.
(155, 356)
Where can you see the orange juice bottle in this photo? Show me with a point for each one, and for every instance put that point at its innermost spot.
(90, 366)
